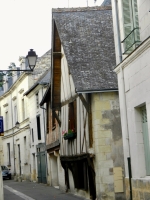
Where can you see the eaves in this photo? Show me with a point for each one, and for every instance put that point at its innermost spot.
(15, 85)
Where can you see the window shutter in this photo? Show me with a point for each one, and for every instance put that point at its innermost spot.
(146, 139)
(136, 20)
(128, 25)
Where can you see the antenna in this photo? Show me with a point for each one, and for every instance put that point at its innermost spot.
(68, 3)
(87, 3)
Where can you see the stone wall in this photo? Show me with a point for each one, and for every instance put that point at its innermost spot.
(140, 189)
(43, 64)
(108, 149)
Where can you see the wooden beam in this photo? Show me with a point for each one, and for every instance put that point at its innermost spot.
(57, 54)
(57, 118)
(69, 101)
(86, 105)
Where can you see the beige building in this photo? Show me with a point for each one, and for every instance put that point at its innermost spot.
(132, 29)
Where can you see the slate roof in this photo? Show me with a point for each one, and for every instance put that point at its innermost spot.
(43, 80)
(88, 41)
(106, 3)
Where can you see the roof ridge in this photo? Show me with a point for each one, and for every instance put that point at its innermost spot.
(81, 9)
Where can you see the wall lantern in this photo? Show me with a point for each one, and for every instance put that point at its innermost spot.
(32, 58)
(17, 126)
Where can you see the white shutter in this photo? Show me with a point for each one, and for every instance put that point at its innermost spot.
(128, 24)
(136, 20)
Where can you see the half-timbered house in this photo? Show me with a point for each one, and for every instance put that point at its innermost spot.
(84, 102)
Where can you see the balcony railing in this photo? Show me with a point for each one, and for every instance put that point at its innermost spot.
(131, 41)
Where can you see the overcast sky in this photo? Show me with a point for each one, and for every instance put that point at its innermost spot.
(26, 24)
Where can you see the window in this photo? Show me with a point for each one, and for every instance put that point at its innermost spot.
(25, 149)
(8, 154)
(23, 110)
(131, 25)
(38, 127)
(37, 100)
(72, 115)
(15, 115)
(6, 120)
(32, 135)
(146, 139)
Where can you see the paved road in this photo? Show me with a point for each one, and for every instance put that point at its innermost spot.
(34, 191)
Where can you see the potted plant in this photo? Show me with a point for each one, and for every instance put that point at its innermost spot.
(69, 135)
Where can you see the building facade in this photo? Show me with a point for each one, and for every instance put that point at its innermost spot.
(15, 107)
(132, 30)
(88, 156)
(37, 116)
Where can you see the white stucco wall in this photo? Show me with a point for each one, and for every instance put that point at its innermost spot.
(35, 111)
(137, 93)
(15, 137)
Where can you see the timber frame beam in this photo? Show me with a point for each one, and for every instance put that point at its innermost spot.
(57, 117)
(85, 103)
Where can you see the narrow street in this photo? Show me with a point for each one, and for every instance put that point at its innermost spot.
(34, 191)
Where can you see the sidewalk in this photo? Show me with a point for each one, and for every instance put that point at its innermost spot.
(34, 191)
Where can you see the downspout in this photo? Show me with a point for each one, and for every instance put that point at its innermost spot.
(124, 107)
(44, 137)
(118, 30)
(13, 137)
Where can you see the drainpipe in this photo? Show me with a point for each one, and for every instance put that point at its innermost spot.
(118, 30)
(126, 130)
(44, 136)
(124, 107)
(13, 137)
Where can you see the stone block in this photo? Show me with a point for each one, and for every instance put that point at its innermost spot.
(100, 156)
(105, 149)
(106, 164)
(100, 142)
(147, 196)
(97, 105)
(109, 96)
(108, 179)
(104, 172)
(106, 105)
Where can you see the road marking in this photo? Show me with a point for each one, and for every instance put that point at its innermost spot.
(23, 196)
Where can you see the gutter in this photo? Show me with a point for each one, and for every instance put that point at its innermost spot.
(97, 91)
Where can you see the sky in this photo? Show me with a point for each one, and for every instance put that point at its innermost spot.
(26, 24)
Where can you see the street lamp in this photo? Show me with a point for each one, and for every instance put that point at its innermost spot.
(17, 126)
(32, 58)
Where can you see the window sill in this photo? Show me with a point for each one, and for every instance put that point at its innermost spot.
(142, 179)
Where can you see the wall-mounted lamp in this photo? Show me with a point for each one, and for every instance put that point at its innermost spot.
(32, 58)
(17, 126)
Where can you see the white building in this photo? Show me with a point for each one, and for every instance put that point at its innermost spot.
(132, 41)
(37, 118)
(15, 107)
